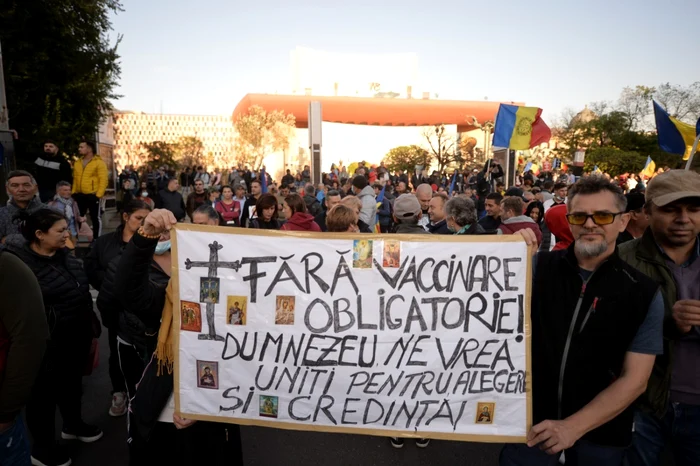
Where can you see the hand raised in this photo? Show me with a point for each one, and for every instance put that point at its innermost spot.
(158, 221)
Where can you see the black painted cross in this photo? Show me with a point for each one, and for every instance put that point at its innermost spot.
(213, 266)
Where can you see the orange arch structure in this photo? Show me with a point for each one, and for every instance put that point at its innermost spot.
(376, 111)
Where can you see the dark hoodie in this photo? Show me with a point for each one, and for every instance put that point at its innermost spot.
(439, 228)
(301, 221)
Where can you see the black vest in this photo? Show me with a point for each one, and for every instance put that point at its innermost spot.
(599, 320)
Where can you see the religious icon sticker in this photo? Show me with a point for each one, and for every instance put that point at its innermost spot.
(190, 316)
(284, 310)
(209, 290)
(269, 406)
(485, 413)
(392, 254)
(362, 254)
(208, 374)
(236, 310)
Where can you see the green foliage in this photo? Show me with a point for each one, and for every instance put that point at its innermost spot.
(189, 151)
(60, 68)
(614, 161)
(261, 133)
(406, 158)
(160, 153)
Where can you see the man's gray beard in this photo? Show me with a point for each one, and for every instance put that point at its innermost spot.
(590, 250)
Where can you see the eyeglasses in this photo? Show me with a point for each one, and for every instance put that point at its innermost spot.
(599, 218)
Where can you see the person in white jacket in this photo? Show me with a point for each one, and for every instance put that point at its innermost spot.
(365, 193)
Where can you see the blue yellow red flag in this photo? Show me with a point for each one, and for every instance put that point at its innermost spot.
(649, 168)
(675, 137)
(520, 128)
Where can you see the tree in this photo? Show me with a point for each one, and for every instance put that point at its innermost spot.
(189, 151)
(443, 147)
(636, 104)
(614, 161)
(160, 153)
(406, 158)
(60, 76)
(680, 102)
(261, 133)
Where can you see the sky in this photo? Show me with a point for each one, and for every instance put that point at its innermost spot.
(203, 57)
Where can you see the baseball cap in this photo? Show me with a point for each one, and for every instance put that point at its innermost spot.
(673, 185)
(635, 201)
(406, 206)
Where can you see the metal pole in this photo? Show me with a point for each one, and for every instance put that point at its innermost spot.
(4, 117)
(692, 153)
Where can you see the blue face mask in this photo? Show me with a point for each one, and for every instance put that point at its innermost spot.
(162, 247)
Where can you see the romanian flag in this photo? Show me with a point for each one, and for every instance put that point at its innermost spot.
(263, 180)
(649, 168)
(675, 137)
(452, 185)
(520, 128)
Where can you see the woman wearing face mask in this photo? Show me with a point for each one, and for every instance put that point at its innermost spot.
(267, 218)
(460, 214)
(228, 208)
(102, 260)
(144, 196)
(138, 317)
(68, 304)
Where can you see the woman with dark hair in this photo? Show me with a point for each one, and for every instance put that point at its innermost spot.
(104, 253)
(267, 214)
(535, 210)
(228, 208)
(298, 219)
(68, 306)
(157, 435)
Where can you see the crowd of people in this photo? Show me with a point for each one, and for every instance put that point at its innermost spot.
(615, 297)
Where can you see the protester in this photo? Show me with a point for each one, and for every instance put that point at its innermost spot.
(298, 219)
(64, 203)
(460, 215)
(492, 220)
(171, 200)
(424, 193)
(202, 176)
(342, 219)
(214, 195)
(228, 208)
(365, 193)
(514, 220)
(21, 189)
(436, 211)
(249, 213)
(144, 196)
(280, 195)
(90, 183)
(268, 218)
(68, 309)
(668, 252)
(383, 209)
(535, 210)
(102, 262)
(356, 205)
(638, 219)
(591, 356)
(332, 199)
(156, 434)
(313, 205)
(24, 333)
(196, 198)
(555, 222)
(50, 168)
(407, 213)
(559, 195)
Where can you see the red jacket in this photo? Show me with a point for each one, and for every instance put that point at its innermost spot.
(230, 213)
(555, 218)
(301, 221)
(515, 224)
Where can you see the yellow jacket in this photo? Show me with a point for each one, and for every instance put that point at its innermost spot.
(92, 179)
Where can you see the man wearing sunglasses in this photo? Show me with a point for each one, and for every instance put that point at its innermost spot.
(596, 329)
(669, 253)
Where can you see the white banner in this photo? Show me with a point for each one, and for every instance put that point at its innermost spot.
(397, 335)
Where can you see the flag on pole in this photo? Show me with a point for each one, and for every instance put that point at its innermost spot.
(520, 128)
(452, 185)
(596, 169)
(380, 200)
(263, 180)
(675, 137)
(528, 166)
(649, 168)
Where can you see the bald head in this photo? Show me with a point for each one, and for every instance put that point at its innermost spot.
(424, 193)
